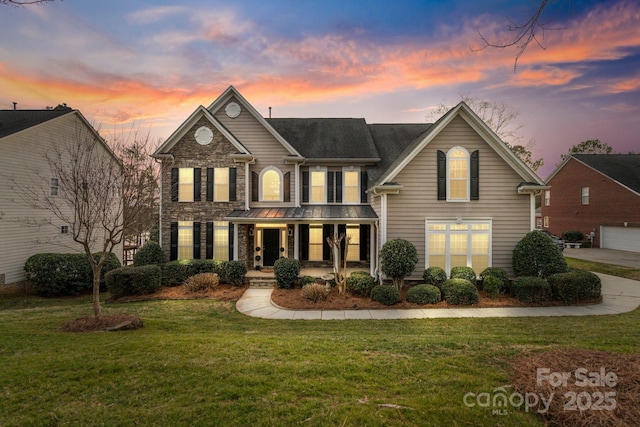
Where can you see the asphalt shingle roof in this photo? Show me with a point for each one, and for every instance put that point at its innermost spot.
(624, 168)
(12, 121)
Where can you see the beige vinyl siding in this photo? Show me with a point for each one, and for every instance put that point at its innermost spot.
(499, 200)
(261, 144)
(23, 230)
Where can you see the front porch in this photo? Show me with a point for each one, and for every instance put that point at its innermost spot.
(266, 278)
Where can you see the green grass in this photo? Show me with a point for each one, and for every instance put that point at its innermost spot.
(598, 267)
(203, 363)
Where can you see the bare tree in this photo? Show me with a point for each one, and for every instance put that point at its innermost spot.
(24, 2)
(339, 259)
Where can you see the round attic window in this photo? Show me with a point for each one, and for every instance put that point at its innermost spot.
(232, 109)
(204, 135)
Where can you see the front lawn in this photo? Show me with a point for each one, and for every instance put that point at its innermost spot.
(200, 362)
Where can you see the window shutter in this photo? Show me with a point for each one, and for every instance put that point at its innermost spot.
(174, 184)
(287, 187)
(209, 184)
(327, 229)
(173, 246)
(305, 186)
(196, 240)
(254, 186)
(209, 241)
(330, 187)
(303, 229)
(364, 182)
(364, 241)
(231, 241)
(197, 184)
(442, 175)
(475, 175)
(232, 184)
(338, 187)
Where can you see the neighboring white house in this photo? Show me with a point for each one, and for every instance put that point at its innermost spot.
(25, 137)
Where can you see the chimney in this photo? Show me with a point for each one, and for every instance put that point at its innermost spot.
(269, 112)
(15, 104)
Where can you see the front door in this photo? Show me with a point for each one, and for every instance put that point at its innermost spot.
(271, 245)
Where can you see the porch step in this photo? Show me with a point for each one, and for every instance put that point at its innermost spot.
(262, 283)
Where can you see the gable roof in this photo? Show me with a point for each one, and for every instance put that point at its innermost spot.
(13, 121)
(622, 168)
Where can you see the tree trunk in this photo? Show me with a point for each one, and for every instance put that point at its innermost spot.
(97, 309)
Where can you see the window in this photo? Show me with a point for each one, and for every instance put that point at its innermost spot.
(351, 192)
(546, 222)
(64, 229)
(353, 231)
(271, 185)
(221, 185)
(221, 240)
(458, 174)
(547, 197)
(318, 186)
(185, 240)
(585, 195)
(538, 223)
(53, 184)
(451, 244)
(185, 185)
(315, 242)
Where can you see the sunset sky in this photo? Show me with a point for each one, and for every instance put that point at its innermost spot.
(149, 64)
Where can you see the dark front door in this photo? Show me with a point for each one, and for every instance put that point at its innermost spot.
(271, 245)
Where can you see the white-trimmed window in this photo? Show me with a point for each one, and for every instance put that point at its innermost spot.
(547, 197)
(458, 172)
(53, 185)
(315, 242)
(458, 243)
(185, 185)
(353, 231)
(585, 195)
(185, 239)
(318, 186)
(221, 184)
(546, 222)
(221, 240)
(271, 185)
(351, 185)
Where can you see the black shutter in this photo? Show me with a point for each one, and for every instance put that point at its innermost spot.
(209, 184)
(338, 187)
(174, 184)
(209, 241)
(303, 230)
(330, 187)
(231, 241)
(173, 246)
(287, 187)
(196, 240)
(197, 184)
(364, 241)
(305, 186)
(254, 186)
(232, 184)
(442, 175)
(475, 175)
(327, 230)
(364, 182)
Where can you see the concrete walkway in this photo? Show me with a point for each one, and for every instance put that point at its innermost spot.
(618, 296)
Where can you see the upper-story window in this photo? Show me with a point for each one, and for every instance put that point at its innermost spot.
(458, 174)
(547, 197)
(318, 184)
(585, 195)
(221, 185)
(351, 193)
(185, 185)
(53, 184)
(271, 185)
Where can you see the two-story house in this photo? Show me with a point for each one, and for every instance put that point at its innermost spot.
(236, 185)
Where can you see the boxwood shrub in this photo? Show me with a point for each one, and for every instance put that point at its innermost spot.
(424, 294)
(386, 294)
(498, 273)
(573, 236)
(360, 283)
(463, 272)
(493, 286)
(286, 272)
(174, 273)
(150, 253)
(531, 289)
(460, 292)
(537, 255)
(127, 281)
(434, 276)
(574, 286)
(234, 272)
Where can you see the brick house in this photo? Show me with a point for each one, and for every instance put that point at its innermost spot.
(236, 185)
(596, 193)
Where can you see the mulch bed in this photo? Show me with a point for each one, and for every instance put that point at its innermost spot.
(606, 401)
(104, 322)
(222, 292)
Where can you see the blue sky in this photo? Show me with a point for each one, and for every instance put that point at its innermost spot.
(149, 64)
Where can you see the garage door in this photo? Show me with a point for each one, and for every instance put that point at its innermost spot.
(622, 238)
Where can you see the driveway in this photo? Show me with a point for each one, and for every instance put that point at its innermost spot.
(607, 256)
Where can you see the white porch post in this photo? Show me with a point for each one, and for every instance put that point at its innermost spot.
(532, 210)
(296, 241)
(372, 249)
(235, 241)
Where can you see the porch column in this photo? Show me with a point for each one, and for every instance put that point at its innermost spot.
(235, 241)
(372, 249)
(296, 241)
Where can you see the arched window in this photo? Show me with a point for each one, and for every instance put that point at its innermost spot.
(271, 185)
(458, 174)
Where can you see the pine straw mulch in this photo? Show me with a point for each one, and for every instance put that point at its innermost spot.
(624, 391)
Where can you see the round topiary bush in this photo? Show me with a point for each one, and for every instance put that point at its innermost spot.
(493, 286)
(398, 258)
(463, 272)
(385, 294)
(498, 273)
(531, 289)
(424, 294)
(538, 256)
(575, 286)
(150, 253)
(460, 292)
(286, 272)
(360, 283)
(435, 276)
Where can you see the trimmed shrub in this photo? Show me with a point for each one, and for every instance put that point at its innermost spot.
(307, 280)
(493, 286)
(398, 258)
(234, 273)
(537, 255)
(531, 289)
(460, 292)
(435, 276)
(128, 281)
(359, 283)
(463, 272)
(58, 274)
(424, 294)
(150, 254)
(199, 266)
(573, 236)
(575, 286)
(286, 271)
(498, 273)
(174, 273)
(111, 263)
(385, 294)
(314, 292)
(201, 282)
